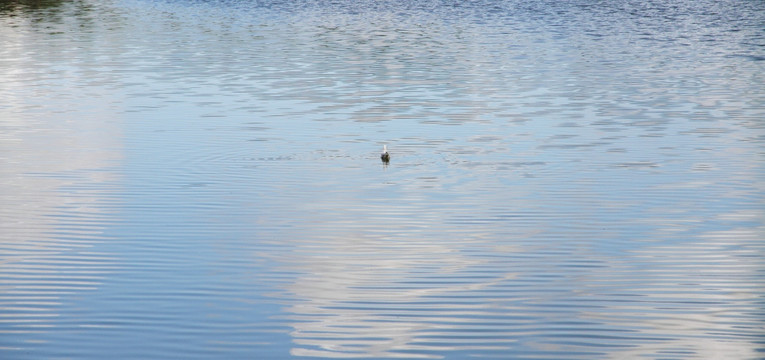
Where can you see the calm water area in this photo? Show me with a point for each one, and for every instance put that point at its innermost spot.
(201, 179)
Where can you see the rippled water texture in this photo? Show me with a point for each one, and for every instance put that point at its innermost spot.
(202, 179)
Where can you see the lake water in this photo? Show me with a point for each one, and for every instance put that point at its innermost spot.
(202, 179)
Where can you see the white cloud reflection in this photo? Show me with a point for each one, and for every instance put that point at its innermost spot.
(59, 146)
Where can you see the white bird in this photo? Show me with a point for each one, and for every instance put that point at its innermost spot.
(385, 156)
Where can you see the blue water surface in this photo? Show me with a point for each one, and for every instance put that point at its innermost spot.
(202, 179)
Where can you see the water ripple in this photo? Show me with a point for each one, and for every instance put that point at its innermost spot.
(201, 179)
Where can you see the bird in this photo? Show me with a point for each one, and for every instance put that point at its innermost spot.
(385, 156)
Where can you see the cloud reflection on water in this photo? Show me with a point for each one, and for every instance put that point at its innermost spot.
(57, 179)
